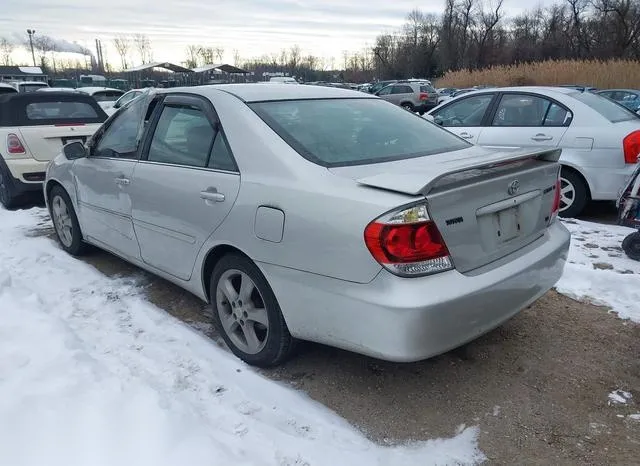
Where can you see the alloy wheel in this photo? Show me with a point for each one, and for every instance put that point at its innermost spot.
(567, 194)
(62, 220)
(242, 311)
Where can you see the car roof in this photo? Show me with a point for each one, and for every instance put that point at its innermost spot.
(9, 86)
(634, 91)
(31, 82)
(91, 90)
(260, 93)
(542, 89)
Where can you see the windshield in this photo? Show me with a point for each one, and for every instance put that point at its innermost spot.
(339, 132)
(609, 109)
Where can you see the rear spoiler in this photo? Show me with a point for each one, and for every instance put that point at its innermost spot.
(416, 184)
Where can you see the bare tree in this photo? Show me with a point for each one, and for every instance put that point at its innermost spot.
(207, 55)
(6, 49)
(142, 45)
(236, 57)
(218, 53)
(193, 56)
(122, 46)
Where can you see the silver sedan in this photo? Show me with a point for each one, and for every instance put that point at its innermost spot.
(313, 213)
(600, 140)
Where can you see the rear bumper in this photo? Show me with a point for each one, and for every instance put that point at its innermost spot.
(27, 175)
(409, 319)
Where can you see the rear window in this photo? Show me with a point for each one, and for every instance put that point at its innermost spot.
(77, 111)
(107, 96)
(32, 87)
(339, 132)
(427, 88)
(612, 111)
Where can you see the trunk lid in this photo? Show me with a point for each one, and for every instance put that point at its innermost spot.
(46, 141)
(486, 204)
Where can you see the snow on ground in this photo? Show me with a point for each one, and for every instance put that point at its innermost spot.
(91, 374)
(599, 271)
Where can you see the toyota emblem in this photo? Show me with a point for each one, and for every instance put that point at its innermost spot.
(513, 188)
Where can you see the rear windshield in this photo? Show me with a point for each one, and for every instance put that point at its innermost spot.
(612, 111)
(31, 87)
(339, 132)
(107, 96)
(427, 88)
(78, 111)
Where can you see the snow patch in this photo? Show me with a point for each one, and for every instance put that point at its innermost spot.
(599, 271)
(619, 397)
(96, 375)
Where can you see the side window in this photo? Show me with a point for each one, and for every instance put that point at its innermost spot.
(183, 136)
(385, 90)
(401, 90)
(221, 158)
(468, 111)
(557, 116)
(121, 138)
(521, 110)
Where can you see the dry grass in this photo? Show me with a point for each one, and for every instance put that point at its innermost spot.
(601, 74)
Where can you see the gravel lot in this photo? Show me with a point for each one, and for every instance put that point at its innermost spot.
(537, 387)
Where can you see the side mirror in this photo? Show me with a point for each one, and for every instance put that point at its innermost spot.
(75, 150)
(429, 117)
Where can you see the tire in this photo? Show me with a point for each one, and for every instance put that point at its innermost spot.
(8, 198)
(65, 222)
(631, 246)
(234, 319)
(574, 194)
(408, 106)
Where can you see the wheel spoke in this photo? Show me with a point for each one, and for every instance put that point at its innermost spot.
(246, 288)
(258, 315)
(250, 335)
(228, 290)
(567, 189)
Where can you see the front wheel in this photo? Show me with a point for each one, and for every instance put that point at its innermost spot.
(246, 313)
(65, 222)
(574, 194)
(408, 107)
(631, 246)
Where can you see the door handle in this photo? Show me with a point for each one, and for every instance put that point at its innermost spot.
(541, 137)
(212, 194)
(466, 135)
(122, 181)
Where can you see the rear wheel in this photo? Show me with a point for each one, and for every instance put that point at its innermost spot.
(407, 106)
(246, 313)
(631, 246)
(65, 222)
(574, 194)
(8, 198)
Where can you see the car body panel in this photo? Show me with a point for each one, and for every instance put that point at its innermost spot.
(312, 252)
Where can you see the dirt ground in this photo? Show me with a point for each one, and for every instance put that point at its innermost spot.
(537, 387)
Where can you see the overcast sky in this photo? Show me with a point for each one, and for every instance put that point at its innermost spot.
(254, 27)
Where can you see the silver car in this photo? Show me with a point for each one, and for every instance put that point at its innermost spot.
(411, 95)
(314, 213)
(600, 140)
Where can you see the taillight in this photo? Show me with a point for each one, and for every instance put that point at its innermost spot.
(14, 145)
(424, 96)
(407, 243)
(555, 208)
(631, 147)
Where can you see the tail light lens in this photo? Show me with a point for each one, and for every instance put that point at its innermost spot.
(631, 147)
(424, 96)
(407, 243)
(14, 145)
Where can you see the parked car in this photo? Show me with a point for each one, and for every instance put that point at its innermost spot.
(105, 96)
(7, 89)
(455, 93)
(57, 89)
(630, 98)
(413, 96)
(33, 128)
(314, 213)
(28, 86)
(600, 140)
(380, 84)
(579, 87)
(283, 80)
(126, 98)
